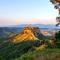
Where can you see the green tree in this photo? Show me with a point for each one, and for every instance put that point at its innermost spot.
(57, 36)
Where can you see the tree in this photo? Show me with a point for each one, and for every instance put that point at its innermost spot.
(57, 36)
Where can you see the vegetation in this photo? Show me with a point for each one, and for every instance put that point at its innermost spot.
(31, 50)
(26, 51)
(57, 36)
(47, 54)
(10, 51)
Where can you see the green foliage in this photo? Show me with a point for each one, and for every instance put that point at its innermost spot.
(24, 50)
(48, 54)
(10, 51)
(57, 36)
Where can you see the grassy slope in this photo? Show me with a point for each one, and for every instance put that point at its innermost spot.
(47, 54)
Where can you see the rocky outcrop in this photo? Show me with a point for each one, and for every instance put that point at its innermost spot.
(27, 34)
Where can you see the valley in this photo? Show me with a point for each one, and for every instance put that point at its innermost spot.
(30, 43)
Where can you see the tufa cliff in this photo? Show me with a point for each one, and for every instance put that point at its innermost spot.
(27, 34)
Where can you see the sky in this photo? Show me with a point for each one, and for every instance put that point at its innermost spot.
(14, 12)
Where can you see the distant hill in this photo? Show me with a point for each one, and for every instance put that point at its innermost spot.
(7, 31)
(42, 26)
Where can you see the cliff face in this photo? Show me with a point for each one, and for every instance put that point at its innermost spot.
(27, 34)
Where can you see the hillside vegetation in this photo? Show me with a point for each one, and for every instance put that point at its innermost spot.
(29, 49)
